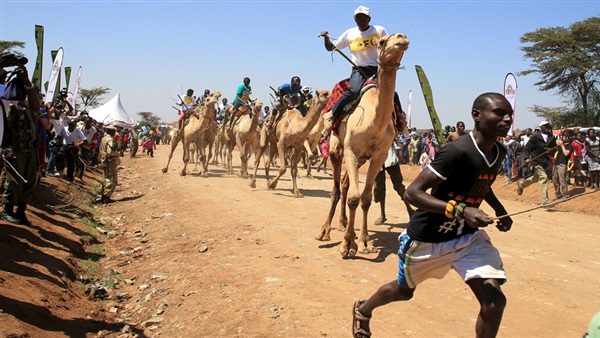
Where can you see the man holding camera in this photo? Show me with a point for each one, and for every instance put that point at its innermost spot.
(19, 143)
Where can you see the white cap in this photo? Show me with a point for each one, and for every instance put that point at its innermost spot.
(543, 123)
(362, 10)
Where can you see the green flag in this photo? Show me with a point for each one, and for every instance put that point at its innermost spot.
(36, 79)
(67, 76)
(57, 88)
(435, 121)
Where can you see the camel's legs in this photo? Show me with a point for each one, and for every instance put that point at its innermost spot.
(207, 158)
(174, 143)
(186, 157)
(259, 154)
(294, 170)
(336, 164)
(282, 168)
(348, 247)
(365, 202)
(309, 154)
(270, 159)
(244, 150)
(230, 159)
(344, 191)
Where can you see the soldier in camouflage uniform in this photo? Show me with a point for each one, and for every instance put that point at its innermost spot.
(19, 149)
(109, 161)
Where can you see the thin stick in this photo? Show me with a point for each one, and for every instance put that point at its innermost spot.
(540, 155)
(348, 59)
(15, 170)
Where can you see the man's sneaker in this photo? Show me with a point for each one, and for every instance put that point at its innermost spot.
(519, 189)
(9, 218)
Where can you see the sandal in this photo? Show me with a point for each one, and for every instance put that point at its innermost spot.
(357, 318)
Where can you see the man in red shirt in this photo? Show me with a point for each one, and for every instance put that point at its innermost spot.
(579, 164)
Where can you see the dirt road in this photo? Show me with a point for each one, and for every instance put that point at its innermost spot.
(223, 260)
(211, 257)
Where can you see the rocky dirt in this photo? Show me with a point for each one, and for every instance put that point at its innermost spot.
(211, 257)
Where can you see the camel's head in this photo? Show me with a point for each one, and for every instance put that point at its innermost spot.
(257, 106)
(391, 48)
(212, 98)
(322, 96)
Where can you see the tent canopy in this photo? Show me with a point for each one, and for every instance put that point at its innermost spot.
(113, 113)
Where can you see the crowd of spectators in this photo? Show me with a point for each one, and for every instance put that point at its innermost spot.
(575, 164)
(42, 139)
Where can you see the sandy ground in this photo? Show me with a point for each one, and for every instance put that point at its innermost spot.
(211, 257)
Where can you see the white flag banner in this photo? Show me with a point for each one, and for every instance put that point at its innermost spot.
(510, 93)
(54, 75)
(408, 117)
(72, 96)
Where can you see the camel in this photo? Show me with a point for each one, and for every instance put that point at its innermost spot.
(244, 135)
(208, 140)
(291, 132)
(193, 132)
(367, 134)
(219, 145)
(267, 140)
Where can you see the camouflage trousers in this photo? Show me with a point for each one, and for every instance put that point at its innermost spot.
(110, 177)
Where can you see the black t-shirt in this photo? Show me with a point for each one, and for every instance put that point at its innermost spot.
(561, 158)
(468, 176)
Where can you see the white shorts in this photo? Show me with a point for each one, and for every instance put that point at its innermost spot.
(471, 256)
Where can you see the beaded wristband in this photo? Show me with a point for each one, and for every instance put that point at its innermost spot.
(459, 210)
(450, 209)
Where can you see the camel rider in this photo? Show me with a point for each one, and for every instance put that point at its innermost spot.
(242, 97)
(288, 97)
(361, 41)
(109, 160)
(200, 100)
(306, 99)
(188, 102)
(223, 107)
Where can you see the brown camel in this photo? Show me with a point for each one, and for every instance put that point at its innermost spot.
(267, 141)
(219, 145)
(193, 131)
(367, 134)
(245, 136)
(291, 132)
(207, 138)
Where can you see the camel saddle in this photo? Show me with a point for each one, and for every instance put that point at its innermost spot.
(242, 110)
(398, 116)
(189, 113)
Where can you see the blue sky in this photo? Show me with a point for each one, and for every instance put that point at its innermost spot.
(150, 51)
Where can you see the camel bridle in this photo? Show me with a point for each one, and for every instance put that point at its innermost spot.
(382, 65)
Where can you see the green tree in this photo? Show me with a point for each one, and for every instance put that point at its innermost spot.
(568, 61)
(92, 97)
(9, 46)
(149, 119)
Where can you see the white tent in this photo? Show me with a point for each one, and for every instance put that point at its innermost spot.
(113, 113)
